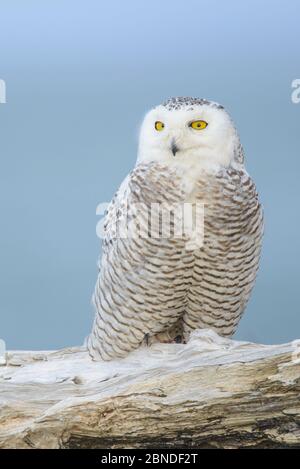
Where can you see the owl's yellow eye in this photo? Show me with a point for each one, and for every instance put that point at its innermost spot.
(198, 125)
(159, 125)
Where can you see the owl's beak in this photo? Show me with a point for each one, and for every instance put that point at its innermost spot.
(174, 147)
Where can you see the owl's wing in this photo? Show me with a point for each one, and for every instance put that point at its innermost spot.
(115, 213)
(140, 288)
(225, 269)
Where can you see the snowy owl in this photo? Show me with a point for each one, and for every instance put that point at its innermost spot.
(154, 288)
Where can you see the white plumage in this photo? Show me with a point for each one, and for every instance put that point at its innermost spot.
(156, 288)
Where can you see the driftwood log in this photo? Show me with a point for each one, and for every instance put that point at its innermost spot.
(210, 393)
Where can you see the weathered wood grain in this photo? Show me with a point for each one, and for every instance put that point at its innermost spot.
(212, 392)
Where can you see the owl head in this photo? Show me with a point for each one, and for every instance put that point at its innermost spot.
(190, 132)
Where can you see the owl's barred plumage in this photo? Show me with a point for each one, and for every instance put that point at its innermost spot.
(158, 288)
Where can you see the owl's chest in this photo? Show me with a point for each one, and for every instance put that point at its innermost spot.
(218, 195)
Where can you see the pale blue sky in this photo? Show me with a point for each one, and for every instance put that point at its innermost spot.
(80, 76)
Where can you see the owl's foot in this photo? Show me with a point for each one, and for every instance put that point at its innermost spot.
(173, 335)
(161, 337)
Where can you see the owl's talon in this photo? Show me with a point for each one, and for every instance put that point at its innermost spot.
(146, 340)
(178, 339)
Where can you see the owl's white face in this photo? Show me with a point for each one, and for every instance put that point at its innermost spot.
(195, 137)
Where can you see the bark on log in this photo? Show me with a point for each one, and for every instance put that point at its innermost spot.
(212, 392)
